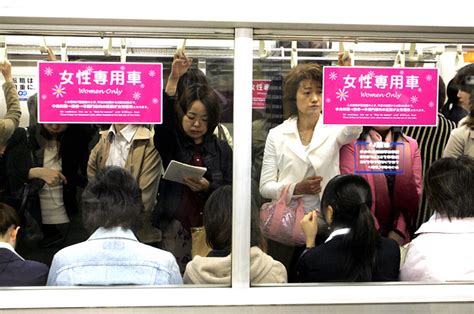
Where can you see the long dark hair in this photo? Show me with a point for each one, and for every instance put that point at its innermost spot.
(350, 197)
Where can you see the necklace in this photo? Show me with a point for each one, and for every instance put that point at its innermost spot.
(305, 136)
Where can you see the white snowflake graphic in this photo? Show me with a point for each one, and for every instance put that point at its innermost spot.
(142, 85)
(402, 72)
(431, 104)
(122, 68)
(333, 76)
(414, 99)
(342, 94)
(154, 100)
(152, 73)
(429, 78)
(420, 89)
(136, 95)
(371, 73)
(59, 91)
(44, 96)
(328, 100)
(90, 69)
(48, 71)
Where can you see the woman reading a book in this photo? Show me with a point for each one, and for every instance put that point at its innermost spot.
(186, 135)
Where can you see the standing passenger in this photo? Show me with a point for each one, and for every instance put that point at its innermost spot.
(395, 196)
(186, 135)
(431, 142)
(302, 152)
(461, 141)
(10, 121)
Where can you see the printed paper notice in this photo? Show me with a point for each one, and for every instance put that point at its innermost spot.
(177, 171)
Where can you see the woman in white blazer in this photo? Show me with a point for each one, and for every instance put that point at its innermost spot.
(302, 152)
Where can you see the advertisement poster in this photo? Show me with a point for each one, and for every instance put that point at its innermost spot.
(380, 96)
(259, 93)
(89, 92)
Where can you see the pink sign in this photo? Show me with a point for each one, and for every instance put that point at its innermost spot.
(259, 93)
(380, 96)
(87, 92)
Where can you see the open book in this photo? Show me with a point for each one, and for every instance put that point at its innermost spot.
(177, 171)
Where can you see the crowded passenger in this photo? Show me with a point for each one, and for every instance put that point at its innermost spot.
(442, 248)
(302, 152)
(14, 269)
(10, 121)
(112, 210)
(215, 268)
(12, 177)
(59, 153)
(395, 194)
(186, 135)
(131, 147)
(461, 141)
(354, 251)
(431, 142)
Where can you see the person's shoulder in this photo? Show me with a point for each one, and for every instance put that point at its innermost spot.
(155, 254)
(37, 266)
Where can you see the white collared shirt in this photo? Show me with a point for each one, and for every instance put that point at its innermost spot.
(8, 246)
(120, 145)
(337, 232)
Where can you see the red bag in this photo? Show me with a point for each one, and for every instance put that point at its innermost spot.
(280, 222)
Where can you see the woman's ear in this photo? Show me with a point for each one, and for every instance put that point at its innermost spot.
(12, 234)
(329, 214)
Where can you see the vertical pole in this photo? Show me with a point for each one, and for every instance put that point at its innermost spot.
(243, 53)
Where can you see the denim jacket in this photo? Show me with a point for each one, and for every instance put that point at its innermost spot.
(113, 257)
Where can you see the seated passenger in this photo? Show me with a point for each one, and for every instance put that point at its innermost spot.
(112, 208)
(442, 249)
(216, 268)
(14, 270)
(354, 251)
(131, 147)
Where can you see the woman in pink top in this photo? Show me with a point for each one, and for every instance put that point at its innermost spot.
(396, 194)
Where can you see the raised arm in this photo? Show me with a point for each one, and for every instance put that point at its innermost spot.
(12, 118)
(180, 65)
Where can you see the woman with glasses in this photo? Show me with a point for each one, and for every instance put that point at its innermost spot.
(186, 135)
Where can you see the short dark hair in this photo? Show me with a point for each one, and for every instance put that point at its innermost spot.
(308, 71)
(217, 218)
(112, 199)
(448, 186)
(190, 77)
(8, 218)
(209, 99)
(464, 78)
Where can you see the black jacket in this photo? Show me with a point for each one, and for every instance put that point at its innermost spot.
(172, 144)
(14, 271)
(326, 262)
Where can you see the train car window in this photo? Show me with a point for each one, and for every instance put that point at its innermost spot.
(196, 129)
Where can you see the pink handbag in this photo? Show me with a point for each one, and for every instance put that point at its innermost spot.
(280, 222)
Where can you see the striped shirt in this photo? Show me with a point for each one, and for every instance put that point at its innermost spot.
(431, 142)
